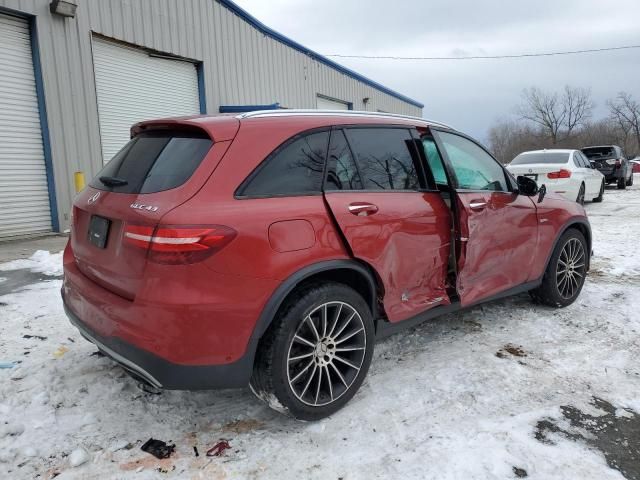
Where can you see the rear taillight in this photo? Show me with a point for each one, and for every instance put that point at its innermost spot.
(174, 245)
(618, 164)
(559, 174)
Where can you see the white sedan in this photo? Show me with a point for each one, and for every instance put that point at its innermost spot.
(567, 172)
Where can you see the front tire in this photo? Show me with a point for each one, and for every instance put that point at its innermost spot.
(565, 275)
(598, 199)
(317, 352)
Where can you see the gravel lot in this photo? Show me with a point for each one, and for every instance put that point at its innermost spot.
(505, 390)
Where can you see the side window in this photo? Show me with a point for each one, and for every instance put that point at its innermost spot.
(386, 158)
(474, 168)
(577, 161)
(293, 169)
(342, 173)
(582, 161)
(434, 160)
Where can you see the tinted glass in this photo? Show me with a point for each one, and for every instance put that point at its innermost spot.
(155, 161)
(541, 157)
(434, 160)
(295, 168)
(474, 168)
(386, 158)
(342, 173)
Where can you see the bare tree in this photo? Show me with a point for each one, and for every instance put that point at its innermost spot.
(577, 104)
(625, 111)
(557, 115)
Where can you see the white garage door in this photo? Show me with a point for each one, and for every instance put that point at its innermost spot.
(133, 86)
(24, 198)
(328, 104)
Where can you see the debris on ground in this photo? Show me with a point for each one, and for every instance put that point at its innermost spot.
(39, 337)
(218, 449)
(60, 351)
(78, 457)
(520, 472)
(195, 450)
(7, 364)
(158, 448)
(510, 349)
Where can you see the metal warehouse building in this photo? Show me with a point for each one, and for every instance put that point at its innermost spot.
(76, 74)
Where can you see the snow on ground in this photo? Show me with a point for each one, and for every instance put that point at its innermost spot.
(483, 394)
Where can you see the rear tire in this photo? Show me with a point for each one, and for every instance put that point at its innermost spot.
(630, 182)
(599, 198)
(565, 275)
(622, 184)
(316, 354)
(580, 198)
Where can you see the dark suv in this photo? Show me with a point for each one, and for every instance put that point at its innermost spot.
(611, 162)
(272, 248)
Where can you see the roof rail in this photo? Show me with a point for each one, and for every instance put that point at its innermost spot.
(343, 113)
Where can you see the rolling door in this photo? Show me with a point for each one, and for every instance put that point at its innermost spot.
(324, 103)
(24, 197)
(132, 86)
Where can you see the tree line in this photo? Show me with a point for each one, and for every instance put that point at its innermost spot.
(564, 119)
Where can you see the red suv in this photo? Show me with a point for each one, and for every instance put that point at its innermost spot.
(273, 248)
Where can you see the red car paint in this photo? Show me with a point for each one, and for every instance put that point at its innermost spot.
(206, 313)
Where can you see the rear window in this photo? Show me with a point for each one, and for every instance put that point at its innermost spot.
(153, 162)
(599, 153)
(541, 157)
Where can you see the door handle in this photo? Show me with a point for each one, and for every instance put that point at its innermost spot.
(477, 205)
(362, 209)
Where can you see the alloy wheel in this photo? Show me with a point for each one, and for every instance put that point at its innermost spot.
(571, 268)
(326, 353)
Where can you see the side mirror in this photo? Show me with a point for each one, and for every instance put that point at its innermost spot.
(527, 186)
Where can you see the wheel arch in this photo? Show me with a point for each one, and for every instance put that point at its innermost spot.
(576, 223)
(350, 272)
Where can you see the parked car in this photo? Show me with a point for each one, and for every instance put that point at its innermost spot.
(635, 163)
(567, 172)
(271, 249)
(611, 162)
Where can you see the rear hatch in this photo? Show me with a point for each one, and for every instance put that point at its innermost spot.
(155, 172)
(603, 158)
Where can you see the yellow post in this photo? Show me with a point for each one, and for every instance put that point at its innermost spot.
(78, 178)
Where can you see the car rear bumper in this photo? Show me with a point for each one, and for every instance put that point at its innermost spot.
(177, 333)
(161, 373)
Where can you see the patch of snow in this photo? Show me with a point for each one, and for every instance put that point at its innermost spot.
(78, 457)
(438, 403)
(41, 261)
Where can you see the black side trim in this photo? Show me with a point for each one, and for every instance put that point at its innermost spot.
(161, 373)
(386, 329)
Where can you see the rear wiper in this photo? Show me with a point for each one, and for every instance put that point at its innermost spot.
(113, 181)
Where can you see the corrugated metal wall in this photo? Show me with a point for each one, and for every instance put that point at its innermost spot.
(241, 65)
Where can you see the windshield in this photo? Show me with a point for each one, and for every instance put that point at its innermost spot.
(541, 157)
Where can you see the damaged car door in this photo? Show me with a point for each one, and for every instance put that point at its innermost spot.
(376, 190)
(497, 228)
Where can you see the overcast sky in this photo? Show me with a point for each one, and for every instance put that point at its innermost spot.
(470, 94)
